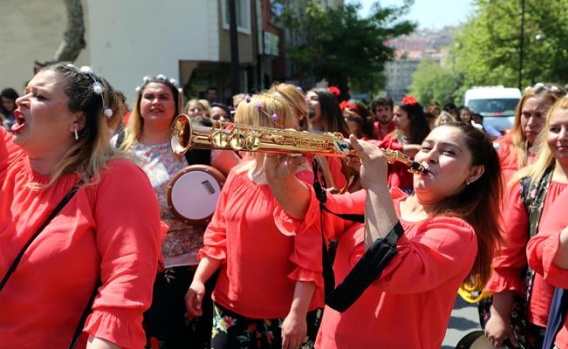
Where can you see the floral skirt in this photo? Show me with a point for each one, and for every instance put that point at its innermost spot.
(234, 331)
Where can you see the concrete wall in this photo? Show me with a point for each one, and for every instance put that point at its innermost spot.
(31, 30)
(133, 38)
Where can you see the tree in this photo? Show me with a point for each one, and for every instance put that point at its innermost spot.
(488, 51)
(431, 82)
(338, 45)
(74, 36)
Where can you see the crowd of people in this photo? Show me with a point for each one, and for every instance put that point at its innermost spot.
(92, 254)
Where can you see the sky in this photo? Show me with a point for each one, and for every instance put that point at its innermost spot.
(430, 14)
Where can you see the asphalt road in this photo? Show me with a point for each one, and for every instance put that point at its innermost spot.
(464, 320)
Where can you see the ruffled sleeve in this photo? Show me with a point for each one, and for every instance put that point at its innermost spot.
(129, 248)
(542, 248)
(510, 258)
(215, 236)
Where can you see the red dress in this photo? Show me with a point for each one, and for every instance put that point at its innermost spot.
(109, 230)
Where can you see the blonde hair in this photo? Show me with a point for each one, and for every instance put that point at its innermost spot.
(544, 156)
(444, 114)
(92, 150)
(295, 99)
(552, 92)
(259, 110)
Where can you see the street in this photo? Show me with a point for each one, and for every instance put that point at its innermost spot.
(464, 320)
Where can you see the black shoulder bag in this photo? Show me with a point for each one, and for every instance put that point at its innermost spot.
(367, 269)
(16, 261)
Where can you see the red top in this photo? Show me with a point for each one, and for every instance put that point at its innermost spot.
(98, 233)
(508, 156)
(378, 132)
(510, 262)
(398, 175)
(262, 254)
(542, 248)
(410, 304)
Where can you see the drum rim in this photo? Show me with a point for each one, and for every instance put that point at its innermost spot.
(215, 173)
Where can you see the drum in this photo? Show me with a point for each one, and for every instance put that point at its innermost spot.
(193, 193)
(475, 340)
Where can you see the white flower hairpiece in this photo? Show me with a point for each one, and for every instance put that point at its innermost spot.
(97, 86)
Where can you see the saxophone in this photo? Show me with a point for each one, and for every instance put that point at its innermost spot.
(238, 137)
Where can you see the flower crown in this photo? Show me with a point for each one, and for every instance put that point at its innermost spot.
(258, 105)
(161, 78)
(409, 101)
(350, 106)
(97, 86)
(334, 91)
(542, 86)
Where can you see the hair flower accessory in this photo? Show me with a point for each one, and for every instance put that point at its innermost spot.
(273, 117)
(348, 105)
(334, 91)
(409, 100)
(247, 98)
(98, 88)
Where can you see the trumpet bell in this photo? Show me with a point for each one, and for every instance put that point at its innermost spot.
(181, 134)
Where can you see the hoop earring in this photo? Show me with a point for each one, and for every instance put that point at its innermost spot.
(76, 134)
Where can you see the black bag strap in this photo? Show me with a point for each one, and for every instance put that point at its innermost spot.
(367, 269)
(54, 213)
(86, 312)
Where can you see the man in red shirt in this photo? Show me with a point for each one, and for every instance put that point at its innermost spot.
(382, 107)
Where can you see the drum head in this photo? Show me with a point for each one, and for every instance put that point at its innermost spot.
(193, 193)
(474, 340)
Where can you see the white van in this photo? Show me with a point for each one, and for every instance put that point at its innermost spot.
(497, 104)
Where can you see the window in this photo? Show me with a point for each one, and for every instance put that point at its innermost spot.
(242, 9)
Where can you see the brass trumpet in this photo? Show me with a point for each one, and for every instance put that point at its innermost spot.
(230, 136)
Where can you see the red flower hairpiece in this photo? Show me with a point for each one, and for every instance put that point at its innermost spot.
(409, 100)
(348, 105)
(335, 91)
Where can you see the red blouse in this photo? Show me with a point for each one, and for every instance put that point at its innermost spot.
(98, 234)
(398, 175)
(509, 263)
(421, 281)
(542, 248)
(263, 255)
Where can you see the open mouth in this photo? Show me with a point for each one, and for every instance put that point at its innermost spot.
(20, 121)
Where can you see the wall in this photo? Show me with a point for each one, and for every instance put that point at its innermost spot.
(31, 30)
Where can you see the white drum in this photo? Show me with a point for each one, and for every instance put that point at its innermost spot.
(193, 193)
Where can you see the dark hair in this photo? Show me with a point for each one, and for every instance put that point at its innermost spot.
(381, 101)
(332, 117)
(478, 204)
(418, 123)
(450, 106)
(363, 118)
(222, 106)
(9, 93)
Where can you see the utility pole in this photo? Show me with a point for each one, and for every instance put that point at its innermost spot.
(522, 45)
(235, 81)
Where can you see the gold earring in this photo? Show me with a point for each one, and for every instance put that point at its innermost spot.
(76, 134)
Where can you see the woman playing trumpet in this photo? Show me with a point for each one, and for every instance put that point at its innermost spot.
(450, 228)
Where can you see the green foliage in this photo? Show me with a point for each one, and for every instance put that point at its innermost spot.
(431, 82)
(338, 45)
(487, 52)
